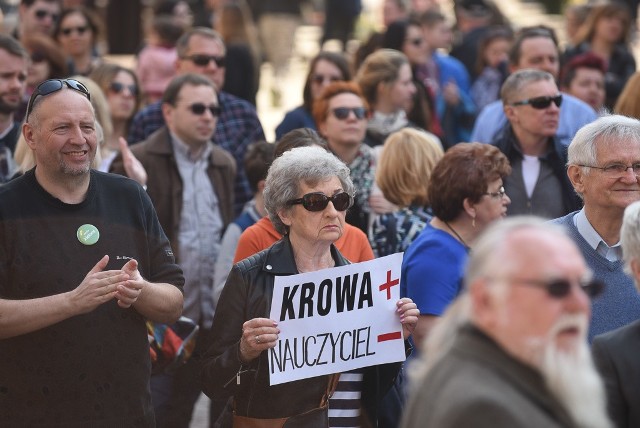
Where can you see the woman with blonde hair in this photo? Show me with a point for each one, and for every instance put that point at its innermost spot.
(628, 103)
(387, 84)
(404, 170)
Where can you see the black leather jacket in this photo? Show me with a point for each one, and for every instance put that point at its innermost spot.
(247, 295)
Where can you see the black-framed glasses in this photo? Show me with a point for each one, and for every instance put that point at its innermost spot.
(202, 60)
(560, 287)
(499, 194)
(117, 87)
(318, 201)
(617, 169)
(342, 113)
(540, 103)
(37, 57)
(42, 14)
(199, 109)
(50, 86)
(321, 78)
(417, 42)
(80, 30)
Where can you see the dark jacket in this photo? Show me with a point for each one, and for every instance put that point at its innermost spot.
(556, 158)
(247, 295)
(164, 184)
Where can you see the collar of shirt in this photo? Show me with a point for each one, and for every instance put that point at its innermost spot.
(185, 152)
(613, 253)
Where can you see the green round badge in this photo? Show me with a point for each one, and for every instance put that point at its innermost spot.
(88, 234)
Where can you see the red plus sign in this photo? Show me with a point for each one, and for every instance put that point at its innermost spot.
(387, 285)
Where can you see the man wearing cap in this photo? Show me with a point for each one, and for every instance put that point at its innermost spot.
(202, 51)
(83, 263)
(512, 350)
(535, 47)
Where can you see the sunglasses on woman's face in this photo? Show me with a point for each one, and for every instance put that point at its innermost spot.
(117, 88)
(342, 113)
(318, 201)
(79, 30)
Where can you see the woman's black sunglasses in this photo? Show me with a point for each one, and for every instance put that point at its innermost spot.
(318, 201)
(50, 86)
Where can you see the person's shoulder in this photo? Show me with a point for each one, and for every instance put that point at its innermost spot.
(150, 109)
(114, 180)
(571, 102)
(222, 157)
(228, 101)
(564, 220)
(619, 338)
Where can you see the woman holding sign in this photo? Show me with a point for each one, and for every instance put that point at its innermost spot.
(307, 193)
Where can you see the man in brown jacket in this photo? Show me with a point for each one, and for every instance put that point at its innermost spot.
(190, 182)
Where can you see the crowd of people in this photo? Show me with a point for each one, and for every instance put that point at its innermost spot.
(504, 165)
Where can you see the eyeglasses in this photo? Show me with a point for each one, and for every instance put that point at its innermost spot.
(320, 79)
(42, 14)
(202, 60)
(559, 288)
(117, 87)
(199, 109)
(499, 194)
(616, 169)
(318, 201)
(540, 103)
(54, 85)
(417, 42)
(342, 113)
(79, 30)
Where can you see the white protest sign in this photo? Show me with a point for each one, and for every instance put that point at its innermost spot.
(335, 320)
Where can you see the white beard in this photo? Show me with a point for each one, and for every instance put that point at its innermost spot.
(572, 378)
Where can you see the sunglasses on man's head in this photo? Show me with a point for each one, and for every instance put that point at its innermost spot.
(202, 60)
(318, 201)
(42, 14)
(540, 103)
(199, 109)
(342, 113)
(117, 87)
(50, 86)
(80, 30)
(560, 288)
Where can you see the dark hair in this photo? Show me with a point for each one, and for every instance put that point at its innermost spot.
(44, 46)
(530, 33)
(585, 60)
(334, 58)
(170, 95)
(301, 137)
(321, 105)
(464, 173)
(92, 21)
(168, 31)
(29, 3)
(257, 161)
(494, 33)
(12, 46)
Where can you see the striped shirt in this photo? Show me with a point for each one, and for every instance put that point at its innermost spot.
(344, 404)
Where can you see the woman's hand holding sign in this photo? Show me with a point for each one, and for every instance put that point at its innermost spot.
(258, 334)
(408, 316)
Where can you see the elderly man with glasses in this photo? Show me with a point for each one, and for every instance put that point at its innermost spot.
(538, 183)
(604, 164)
(512, 350)
(83, 263)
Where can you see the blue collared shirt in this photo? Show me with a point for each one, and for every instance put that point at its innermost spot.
(595, 241)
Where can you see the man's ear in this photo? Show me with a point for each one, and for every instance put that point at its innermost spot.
(167, 111)
(510, 113)
(576, 176)
(28, 134)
